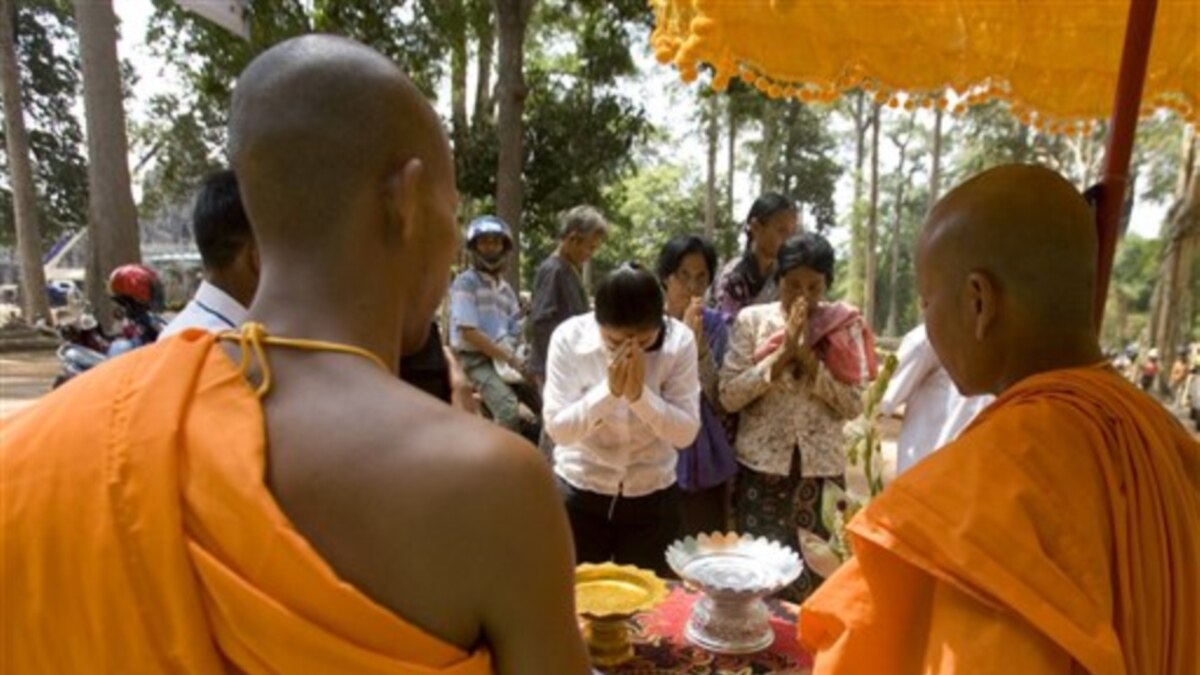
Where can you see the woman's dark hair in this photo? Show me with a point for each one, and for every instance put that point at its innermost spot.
(809, 250)
(629, 297)
(764, 208)
(680, 247)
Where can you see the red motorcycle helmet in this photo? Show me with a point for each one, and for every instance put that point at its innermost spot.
(137, 285)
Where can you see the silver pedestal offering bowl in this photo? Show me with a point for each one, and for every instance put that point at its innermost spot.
(735, 572)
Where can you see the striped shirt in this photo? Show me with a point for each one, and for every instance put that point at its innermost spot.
(483, 302)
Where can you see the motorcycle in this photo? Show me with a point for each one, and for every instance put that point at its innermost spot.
(137, 293)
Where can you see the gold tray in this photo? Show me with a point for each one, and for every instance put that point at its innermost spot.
(610, 591)
(606, 596)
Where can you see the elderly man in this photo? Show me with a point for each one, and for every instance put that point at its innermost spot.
(1058, 533)
(558, 292)
(304, 511)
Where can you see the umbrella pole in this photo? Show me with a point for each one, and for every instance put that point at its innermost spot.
(1139, 30)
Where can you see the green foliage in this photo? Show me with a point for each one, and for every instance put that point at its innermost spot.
(186, 132)
(1135, 270)
(48, 58)
(649, 208)
(796, 155)
(1156, 157)
(581, 133)
(576, 143)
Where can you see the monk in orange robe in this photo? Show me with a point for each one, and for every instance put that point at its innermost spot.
(277, 501)
(1061, 532)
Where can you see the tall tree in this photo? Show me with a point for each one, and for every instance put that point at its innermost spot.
(512, 17)
(48, 65)
(901, 139)
(1175, 290)
(34, 305)
(712, 134)
(935, 168)
(731, 153)
(857, 259)
(112, 216)
(483, 25)
(802, 165)
(872, 222)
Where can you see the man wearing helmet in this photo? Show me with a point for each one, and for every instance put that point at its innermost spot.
(485, 319)
(138, 293)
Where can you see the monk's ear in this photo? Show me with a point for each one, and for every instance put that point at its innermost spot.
(402, 197)
(983, 295)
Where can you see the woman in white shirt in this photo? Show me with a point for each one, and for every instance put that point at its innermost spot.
(622, 393)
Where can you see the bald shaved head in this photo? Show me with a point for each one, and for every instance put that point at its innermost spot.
(314, 119)
(347, 178)
(1006, 263)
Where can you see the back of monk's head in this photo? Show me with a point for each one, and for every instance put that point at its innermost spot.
(346, 175)
(1006, 271)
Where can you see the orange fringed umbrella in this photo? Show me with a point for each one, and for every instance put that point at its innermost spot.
(1061, 64)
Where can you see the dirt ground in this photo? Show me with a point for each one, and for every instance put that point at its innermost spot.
(25, 377)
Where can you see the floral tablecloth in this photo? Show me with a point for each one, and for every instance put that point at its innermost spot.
(660, 646)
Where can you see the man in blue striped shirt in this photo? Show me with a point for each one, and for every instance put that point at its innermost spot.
(485, 324)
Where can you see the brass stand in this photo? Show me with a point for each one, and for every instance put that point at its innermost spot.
(608, 641)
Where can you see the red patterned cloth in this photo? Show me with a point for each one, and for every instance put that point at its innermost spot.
(660, 646)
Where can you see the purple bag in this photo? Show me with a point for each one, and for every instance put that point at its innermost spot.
(710, 460)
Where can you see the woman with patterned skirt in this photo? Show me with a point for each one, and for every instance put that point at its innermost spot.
(795, 370)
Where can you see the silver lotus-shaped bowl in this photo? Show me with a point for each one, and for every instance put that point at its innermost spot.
(735, 572)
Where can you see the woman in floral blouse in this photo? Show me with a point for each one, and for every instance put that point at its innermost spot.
(795, 369)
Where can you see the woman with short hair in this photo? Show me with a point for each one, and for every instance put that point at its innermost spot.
(686, 266)
(795, 370)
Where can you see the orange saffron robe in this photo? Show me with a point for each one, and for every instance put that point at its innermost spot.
(137, 536)
(1059, 534)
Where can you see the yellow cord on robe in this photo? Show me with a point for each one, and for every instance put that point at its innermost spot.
(252, 337)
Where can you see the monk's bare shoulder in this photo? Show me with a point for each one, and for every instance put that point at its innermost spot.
(412, 501)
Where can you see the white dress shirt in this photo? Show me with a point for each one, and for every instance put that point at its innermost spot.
(603, 443)
(210, 309)
(935, 413)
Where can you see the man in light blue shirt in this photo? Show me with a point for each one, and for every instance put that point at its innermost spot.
(485, 324)
(230, 256)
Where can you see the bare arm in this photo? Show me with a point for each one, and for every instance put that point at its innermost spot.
(529, 608)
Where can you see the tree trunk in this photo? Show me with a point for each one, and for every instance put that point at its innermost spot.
(512, 16)
(767, 180)
(1181, 244)
(872, 222)
(731, 160)
(890, 327)
(458, 75)
(857, 262)
(710, 189)
(112, 217)
(485, 32)
(935, 170)
(34, 305)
